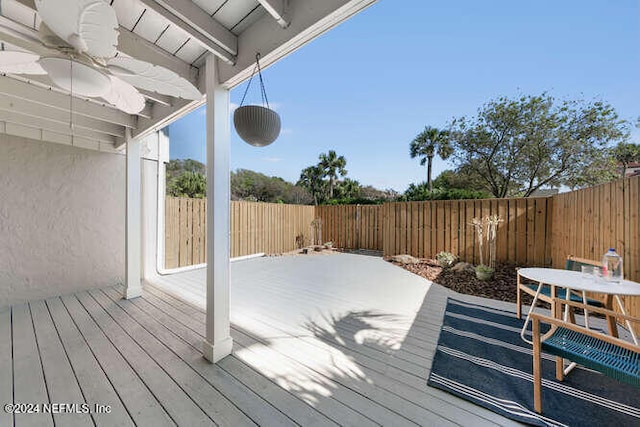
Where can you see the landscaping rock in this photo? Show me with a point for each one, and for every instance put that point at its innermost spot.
(462, 266)
(405, 259)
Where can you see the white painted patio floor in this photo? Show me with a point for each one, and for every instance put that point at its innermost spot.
(318, 340)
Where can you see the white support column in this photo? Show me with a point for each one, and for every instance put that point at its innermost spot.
(133, 227)
(218, 342)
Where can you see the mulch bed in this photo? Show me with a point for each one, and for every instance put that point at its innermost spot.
(501, 287)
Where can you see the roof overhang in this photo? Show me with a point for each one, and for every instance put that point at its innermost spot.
(176, 34)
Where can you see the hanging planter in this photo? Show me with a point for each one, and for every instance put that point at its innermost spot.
(257, 125)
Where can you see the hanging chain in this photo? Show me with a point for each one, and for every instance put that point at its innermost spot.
(263, 92)
(71, 99)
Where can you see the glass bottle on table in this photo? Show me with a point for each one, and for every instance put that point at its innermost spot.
(612, 266)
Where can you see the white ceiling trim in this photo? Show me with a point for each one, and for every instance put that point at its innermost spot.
(278, 9)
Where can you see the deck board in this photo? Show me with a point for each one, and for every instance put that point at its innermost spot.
(173, 398)
(139, 401)
(298, 411)
(29, 385)
(61, 381)
(91, 378)
(223, 386)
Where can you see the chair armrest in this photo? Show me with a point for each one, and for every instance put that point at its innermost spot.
(555, 323)
(610, 313)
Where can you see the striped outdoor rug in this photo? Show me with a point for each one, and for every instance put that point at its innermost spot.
(481, 358)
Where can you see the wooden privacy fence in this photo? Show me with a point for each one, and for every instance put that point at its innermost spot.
(185, 232)
(534, 231)
(588, 222)
(268, 227)
(352, 226)
(423, 229)
(418, 228)
(255, 227)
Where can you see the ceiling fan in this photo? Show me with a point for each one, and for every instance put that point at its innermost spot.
(83, 36)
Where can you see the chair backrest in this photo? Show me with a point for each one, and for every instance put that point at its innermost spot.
(574, 263)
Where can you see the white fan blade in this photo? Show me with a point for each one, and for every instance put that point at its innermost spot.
(153, 78)
(88, 25)
(20, 63)
(124, 96)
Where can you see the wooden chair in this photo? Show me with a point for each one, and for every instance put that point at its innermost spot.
(548, 292)
(611, 356)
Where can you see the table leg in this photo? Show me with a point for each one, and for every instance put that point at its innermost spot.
(629, 325)
(528, 319)
(611, 321)
(586, 313)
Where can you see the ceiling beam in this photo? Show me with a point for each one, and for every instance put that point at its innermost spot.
(273, 42)
(52, 126)
(18, 104)
(156, 97)
(278, 10)
(31, 4)
(19, 86)
(22, 36)
(202, 28)
(44, 81)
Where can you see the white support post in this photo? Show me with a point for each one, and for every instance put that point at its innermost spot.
(218, 342)
(133, 226)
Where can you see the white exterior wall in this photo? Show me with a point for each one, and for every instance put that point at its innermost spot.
(62, 219)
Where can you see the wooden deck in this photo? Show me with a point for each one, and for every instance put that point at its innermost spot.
(361, 362)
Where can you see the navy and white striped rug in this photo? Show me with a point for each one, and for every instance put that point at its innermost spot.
(481, 358)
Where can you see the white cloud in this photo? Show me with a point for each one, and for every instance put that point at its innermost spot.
(286, 131)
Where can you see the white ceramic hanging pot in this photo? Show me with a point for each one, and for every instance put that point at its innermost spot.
(256, 125)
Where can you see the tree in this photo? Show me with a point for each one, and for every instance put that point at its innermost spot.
(255, 186)
(332, 166)
(519, 145)
(461, 178)
(421, 191)
(311, 178)
(188, 184)
(625, 153)
(176, 167)
(426, 144)
(347, 189)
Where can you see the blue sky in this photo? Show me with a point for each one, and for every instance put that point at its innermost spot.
(367, 87)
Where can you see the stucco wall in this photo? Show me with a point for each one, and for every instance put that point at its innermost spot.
(62, 213)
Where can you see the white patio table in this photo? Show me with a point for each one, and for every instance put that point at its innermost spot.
(574, 280)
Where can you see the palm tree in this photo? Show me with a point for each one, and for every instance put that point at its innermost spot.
(426, 144)
(311, 179)
(332, 165)
(347, 189)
